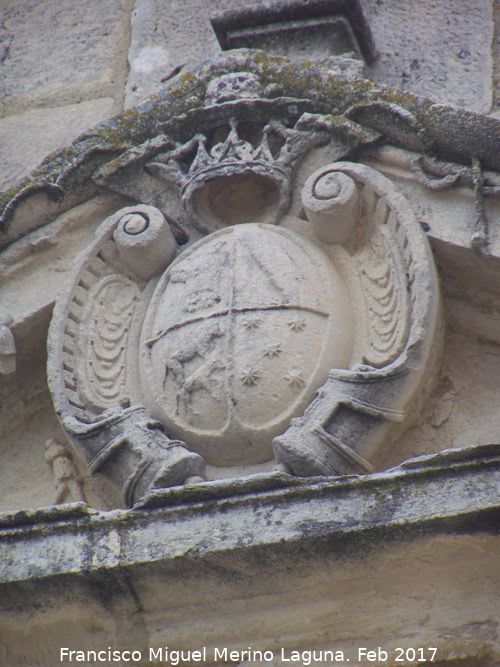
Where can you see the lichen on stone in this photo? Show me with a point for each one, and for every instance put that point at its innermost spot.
(404, 120)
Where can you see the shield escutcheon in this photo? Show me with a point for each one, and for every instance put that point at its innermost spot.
(241, 331)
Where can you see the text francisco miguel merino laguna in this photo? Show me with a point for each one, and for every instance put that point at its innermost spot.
(215, 654)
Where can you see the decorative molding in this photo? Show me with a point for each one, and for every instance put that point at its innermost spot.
(249, 168)
(398, 283)
(356, 108)
(92, 362)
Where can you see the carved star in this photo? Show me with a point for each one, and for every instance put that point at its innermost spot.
(297, 324)
(295, 379)
(249, 376)
(273, 350)
(252, 323)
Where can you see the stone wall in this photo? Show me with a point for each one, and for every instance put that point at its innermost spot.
(405, 557)
(66, 67)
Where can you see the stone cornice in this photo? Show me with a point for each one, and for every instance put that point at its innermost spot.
(453, 491)
(65, 178)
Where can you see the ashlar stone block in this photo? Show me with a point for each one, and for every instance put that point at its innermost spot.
(55, 54)
(438, 49)
(25, 139)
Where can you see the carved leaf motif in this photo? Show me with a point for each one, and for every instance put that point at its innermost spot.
(103, 342)
(383, 274)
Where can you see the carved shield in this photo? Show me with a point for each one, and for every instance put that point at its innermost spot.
(241, 331)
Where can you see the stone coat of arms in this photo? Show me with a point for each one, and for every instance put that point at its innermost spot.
(263, 300)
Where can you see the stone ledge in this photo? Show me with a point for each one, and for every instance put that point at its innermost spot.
(452, 491)
(410, 554)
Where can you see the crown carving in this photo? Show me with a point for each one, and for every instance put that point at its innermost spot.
(192, 166)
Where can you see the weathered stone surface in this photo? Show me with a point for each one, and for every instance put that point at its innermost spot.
(425, 492)
(408, 558)
(150, 56)
(266, 568)
(267, 339)
(361, 109)
(297, 29)
(25, 140)
(135, 128)
(54, 55)
(165, 38)
(32, 269)
(495, 52)
(168, 37)
(31, 272)
(445, 55)
(235, 154)
(7, 346)
(448, 213)
(26, 478)
(460, 410)
(246, 325)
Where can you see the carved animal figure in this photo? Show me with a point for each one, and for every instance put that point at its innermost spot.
(202, 378)
(199, 346)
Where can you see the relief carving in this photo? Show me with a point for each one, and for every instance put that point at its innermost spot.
(298, 321)
(235, 177)
(101, 371)
(67, 480)
(397, 284)
(213, 373)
